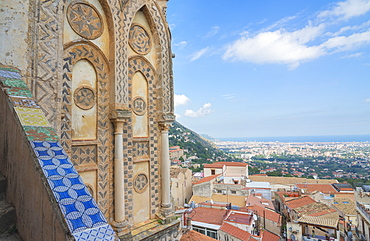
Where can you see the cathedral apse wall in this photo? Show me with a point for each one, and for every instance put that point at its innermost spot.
(101, 70)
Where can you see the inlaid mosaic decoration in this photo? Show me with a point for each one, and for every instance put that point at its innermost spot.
(139, 106)
(140, 183)
(139, 39)
(84, 97)
(85, 20)
(84, 218)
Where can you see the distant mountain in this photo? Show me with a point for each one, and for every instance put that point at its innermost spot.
(196, 145)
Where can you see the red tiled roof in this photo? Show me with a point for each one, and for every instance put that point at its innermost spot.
(299, 202)
(253, 200)
(236, 232)
(321, 213)
(269, 214)
(324, 188)
(206, 179)
(192, 235)
(221, 164)
(236, 217)
(209, 215)
(268, 236)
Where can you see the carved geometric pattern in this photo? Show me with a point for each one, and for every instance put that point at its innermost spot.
(141, 149)
(47, 45)
(84, 97)
(85, 20)
(83, 154)
(140, 182)
(31, 116)
(74, 53)
(139, 39)
(166, 64)
(139, 106)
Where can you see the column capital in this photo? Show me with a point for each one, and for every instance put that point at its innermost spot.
(164, 126)
(167, 117)
(120, 115)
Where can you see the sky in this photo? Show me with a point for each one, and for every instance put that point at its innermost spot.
(271, 68)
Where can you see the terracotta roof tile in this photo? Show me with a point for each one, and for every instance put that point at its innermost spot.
(206, 179)
(269, 214)
(345, 205)
(236, 232)
(315, 209)
(299, 202)
(192, 235)
(262, 202)
(268, 236)
(240, 217)
(324, 188)
(326, 222)
(209, 215)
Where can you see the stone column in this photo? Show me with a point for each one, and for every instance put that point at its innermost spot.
(165, 169)
(118, 120)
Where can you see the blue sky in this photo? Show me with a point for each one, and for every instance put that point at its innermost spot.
(271, 68)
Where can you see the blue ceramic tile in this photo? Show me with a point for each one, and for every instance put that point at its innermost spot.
(82, 213)
(68, 187)
(80, 210)
(57, 167)
(47, 150)
(10, 74)
(103, 233)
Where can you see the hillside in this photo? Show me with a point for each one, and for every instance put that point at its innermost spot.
(196, 145)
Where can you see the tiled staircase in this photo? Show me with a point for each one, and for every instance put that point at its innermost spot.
(8, 231)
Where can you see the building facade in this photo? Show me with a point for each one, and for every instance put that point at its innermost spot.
(101, 72)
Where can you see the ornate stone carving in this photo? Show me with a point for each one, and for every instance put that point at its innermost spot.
(140, 182)
(139, 106)
(85, 20)
(141, 149)
(84, 155)
(72, 54)
(139, 39)
(84, 97)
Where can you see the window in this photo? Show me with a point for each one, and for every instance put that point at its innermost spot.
(219, 191)
(213, 172)
(209, 232)
(233, 192)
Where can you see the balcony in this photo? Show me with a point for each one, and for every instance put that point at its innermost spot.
(364, 210)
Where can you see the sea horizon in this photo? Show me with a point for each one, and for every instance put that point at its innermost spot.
(323, 138)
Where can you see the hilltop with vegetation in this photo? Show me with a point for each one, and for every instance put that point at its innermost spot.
(198, 150)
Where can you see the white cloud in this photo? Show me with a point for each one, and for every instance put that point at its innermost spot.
(181, 100)
(214, 30)
(180, 44)
(280, 47)
(367, 101)
(198, 54)
(342, 43)
(177, 116)
(203, 111)
(355, 55)
(228, 96)
(348, 9)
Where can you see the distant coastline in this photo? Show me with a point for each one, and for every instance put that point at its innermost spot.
(334, 138)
